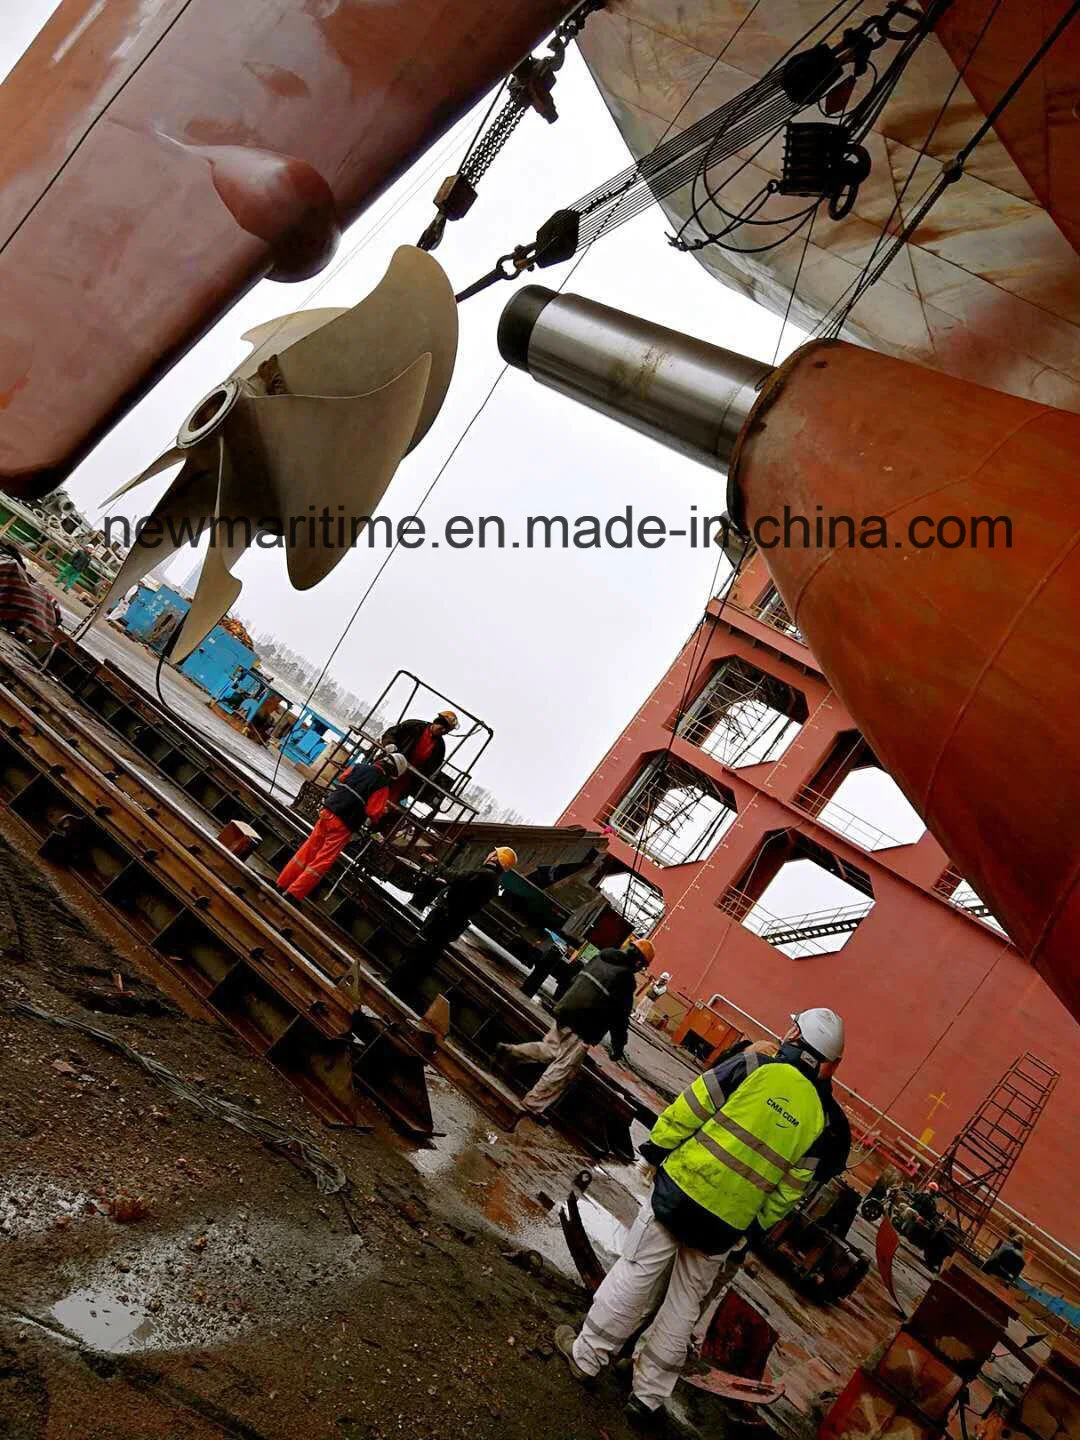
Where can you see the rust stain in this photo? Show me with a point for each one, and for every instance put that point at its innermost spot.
(212, 130)
(286, 84)
(8, 395)
(637, 379)
(15, 359)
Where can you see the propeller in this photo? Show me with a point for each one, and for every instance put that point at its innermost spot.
(315, 420)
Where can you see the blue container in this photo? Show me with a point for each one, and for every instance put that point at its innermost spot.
(215, 665)
(219, 662)
(148, 605)
(309, 737)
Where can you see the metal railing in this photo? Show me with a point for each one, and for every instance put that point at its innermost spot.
(952, 886)
(843, 822)
(771, 614)
(659, 838)
(798, 936)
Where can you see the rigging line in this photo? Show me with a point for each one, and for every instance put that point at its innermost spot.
(671, 165)
(392, 212)
(480, 128)
(483, 404)
(698, 132)
(695, 660)
(898, 207)
(794, 285)
(955, 169)
(841, 308)
(93, 122)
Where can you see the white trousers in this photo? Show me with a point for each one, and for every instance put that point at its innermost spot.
(626, 1297)
(565, 1051)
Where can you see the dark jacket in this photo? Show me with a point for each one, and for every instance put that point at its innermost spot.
(691, 1223)
(350, 798)
(464, 897)
(600, 999)
(404, 736)
(1007, 1261)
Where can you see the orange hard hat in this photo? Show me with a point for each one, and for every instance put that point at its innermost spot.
(448, 718)
(506, 857)
(646, 947)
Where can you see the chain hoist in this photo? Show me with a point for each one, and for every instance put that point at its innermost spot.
(528, 87)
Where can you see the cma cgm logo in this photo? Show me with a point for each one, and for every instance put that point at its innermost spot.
(778, 1107)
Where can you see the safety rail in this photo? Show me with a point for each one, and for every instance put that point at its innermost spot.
(952, 886)
(843, 822)
(784, 932)
(769, 613)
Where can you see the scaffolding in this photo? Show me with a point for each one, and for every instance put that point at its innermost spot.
(743, 716)
(970, 1174)
(772, 611)
(638, 901)
(672, 813)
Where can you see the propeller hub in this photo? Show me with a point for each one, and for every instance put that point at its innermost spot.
(208, 414)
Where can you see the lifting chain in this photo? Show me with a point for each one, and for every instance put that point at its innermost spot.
(529, 87)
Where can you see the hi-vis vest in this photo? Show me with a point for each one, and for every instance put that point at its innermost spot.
(742, 1158)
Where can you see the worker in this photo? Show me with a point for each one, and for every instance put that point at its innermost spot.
(283, 723)
(358, 799)
(460, 900)
(734, 1154)
(599, 1001)
(73, 568)
(1008, 1259)
(423, 744)
(548, 957)
(650, 994)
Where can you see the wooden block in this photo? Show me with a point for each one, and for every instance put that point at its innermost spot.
(240, 838)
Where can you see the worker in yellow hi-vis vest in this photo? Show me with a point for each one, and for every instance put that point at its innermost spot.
(737, 1149)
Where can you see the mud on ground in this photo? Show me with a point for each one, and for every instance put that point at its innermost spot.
(164, 1276)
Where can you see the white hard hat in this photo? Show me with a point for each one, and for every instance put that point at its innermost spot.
(665, 975)
(823, 1031)
(398, 761)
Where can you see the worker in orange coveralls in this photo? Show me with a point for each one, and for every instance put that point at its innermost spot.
(359, 798)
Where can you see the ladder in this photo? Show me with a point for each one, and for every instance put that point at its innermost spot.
(972, 1171)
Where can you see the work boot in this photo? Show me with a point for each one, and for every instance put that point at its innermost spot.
(565, 1336)
(649, 1422)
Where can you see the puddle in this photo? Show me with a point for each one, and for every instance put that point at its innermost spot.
(202, 1284)
(603, 1229)
(105, 1322)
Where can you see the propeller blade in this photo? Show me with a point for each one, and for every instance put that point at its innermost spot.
(187, 504)
(325, 453)
(172, 456)
(273, 336)
(217, 589)
(410, 312)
